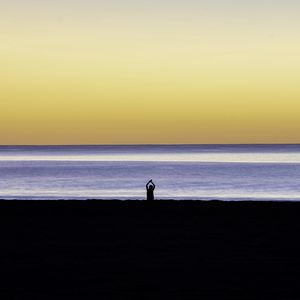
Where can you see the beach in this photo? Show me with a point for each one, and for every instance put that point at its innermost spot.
(149, 250)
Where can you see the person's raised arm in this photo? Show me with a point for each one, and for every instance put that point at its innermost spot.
(147, 185)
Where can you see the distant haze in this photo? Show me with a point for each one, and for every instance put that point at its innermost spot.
(128, 71)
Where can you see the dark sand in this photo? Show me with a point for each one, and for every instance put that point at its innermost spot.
(140, 250)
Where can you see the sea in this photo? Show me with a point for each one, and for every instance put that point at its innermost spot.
(180, 172)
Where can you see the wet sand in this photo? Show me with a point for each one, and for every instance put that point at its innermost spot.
(158, 250)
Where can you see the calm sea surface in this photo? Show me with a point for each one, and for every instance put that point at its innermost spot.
(225, 172)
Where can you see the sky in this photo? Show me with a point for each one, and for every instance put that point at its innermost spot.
(149, 72)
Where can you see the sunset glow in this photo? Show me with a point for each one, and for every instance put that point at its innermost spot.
(130, 72)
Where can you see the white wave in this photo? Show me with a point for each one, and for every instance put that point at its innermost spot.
(167, 157)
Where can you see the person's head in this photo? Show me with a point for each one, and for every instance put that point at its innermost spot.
(151, 187)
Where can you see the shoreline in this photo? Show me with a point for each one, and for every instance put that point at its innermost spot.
(156, 200)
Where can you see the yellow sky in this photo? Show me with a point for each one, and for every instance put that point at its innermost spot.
(170, 72)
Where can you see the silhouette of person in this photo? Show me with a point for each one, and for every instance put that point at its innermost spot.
(150, 186)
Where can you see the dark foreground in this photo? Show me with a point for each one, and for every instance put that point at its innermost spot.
(139, 250)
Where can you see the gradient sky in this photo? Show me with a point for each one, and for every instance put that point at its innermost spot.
(159, 71)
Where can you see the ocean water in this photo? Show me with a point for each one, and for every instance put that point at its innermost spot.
(224, 172)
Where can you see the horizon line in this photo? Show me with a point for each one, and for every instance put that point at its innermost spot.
(146, 144)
